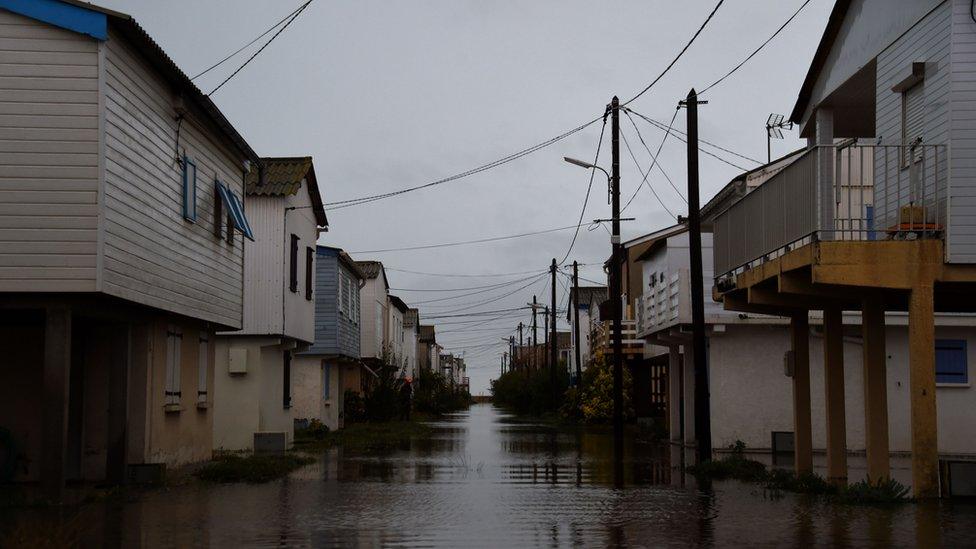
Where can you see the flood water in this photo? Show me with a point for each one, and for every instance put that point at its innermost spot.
(485, 479)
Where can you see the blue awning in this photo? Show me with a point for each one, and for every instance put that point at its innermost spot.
(236, 210)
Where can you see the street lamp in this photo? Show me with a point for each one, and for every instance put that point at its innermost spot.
(586, 165)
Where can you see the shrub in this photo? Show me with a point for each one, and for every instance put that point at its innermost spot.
(432, 394)
(881, 491)
(316, 430)
(252, 469)
(592, 400)
(530, 392)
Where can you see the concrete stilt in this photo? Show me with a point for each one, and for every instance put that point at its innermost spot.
(689, 396)
(802, 428)
(118, 370)
(875, 389)
(834, 397)
(921, 353)
(57, 369)
(674, 392)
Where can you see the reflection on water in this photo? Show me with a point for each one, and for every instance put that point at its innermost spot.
(484, 479)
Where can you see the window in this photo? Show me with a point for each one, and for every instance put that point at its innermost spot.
(309, 273)
(174, 363)
(912, 121)
(343, 302)
(189, 189)
(286, 380)
(293, 265)
(951, 364)
(203, 367)
(325, 380)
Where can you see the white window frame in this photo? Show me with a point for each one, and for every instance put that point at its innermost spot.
(174, 365)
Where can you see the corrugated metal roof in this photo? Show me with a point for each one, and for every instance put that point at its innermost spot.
(370, 269)
(427, 334)
(284, 176)
(398, 303)
(588, 294)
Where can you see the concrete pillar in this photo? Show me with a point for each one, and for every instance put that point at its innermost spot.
(834, 397)
(802, 422)
(688, 388)
(824, 120)
(921, 364)
(674, 392)
(118, 373)
(875, 389)
(57, 370)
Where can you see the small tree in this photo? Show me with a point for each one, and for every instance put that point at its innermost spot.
(592, 400)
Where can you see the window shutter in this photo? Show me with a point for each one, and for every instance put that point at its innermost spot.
(309, 272)
(293, 265)
(189, 189)
(286, 381)
(913, 119)
(203, 367)
(174, 364)
(325, 380)
(951, 362)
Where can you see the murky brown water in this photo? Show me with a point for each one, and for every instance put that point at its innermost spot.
(487, 480)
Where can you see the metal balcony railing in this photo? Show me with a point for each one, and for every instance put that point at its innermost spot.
(666, 303)
(878, 192)
(630, 343)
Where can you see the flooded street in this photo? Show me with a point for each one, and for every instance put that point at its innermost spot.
(485, 479)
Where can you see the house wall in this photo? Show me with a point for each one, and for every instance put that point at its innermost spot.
(409, 350)
(49, 157)
(299, 311)
(265, 270)
(961, 241)
(394, 328)
(152, 255)
(373, 322)
(173, 438)
(310, 399)
(751, 397)
(870, 26)
(251, 402)
(928, 41)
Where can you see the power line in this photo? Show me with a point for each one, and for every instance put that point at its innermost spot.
(262, 48)
(660, 125)
(466, 306)
(654, 159)
(524, 152)
(680, 53)
(478, 313)
(462, 243)
(245, 46)
(510, 283)
(761, 46)
(496, 285)
(493, 164)
(589, 187)
(449, 275)
(623, 136)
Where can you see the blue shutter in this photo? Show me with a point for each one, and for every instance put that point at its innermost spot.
(189, 189)
(950, 361)
(235, 208)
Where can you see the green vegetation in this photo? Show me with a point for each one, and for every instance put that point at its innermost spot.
(737, 466)
(364, 437)
(432, 394)
(256, 468)
(592, 401)
(530, 392)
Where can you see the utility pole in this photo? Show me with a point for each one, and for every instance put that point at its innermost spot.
(545, 331)
(553, 340)
(521, 353)
(535, 335)
(615, 285)
(703, 435)
(576, 326)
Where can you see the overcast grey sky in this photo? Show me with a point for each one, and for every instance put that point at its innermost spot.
(386, 95)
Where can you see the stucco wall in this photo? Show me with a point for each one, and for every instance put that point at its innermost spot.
(751, 397)
(251, 402)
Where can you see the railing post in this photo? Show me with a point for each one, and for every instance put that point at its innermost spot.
(825, 172)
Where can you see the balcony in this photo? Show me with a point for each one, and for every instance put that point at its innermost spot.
(873, 192)
(631, 346)
(667, 303)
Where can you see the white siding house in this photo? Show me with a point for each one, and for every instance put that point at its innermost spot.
(114, 265)
(253, 393)
(374, 302)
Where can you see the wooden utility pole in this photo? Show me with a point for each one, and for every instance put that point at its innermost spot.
(616, 286)
(545, 331)
(576, 326)
(553, 340)
(703, 434)
(535, 335)
(521, 353)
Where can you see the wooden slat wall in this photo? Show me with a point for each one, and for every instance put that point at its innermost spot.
(152, 255)
(48, 157)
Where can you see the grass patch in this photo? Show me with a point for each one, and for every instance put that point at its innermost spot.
(737, 466)
(252, 469)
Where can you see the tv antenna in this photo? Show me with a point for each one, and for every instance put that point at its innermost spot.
(775, 125)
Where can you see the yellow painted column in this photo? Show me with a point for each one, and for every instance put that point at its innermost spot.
(834, 398)
(875, 388)
(802, 430)
(921, 357)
